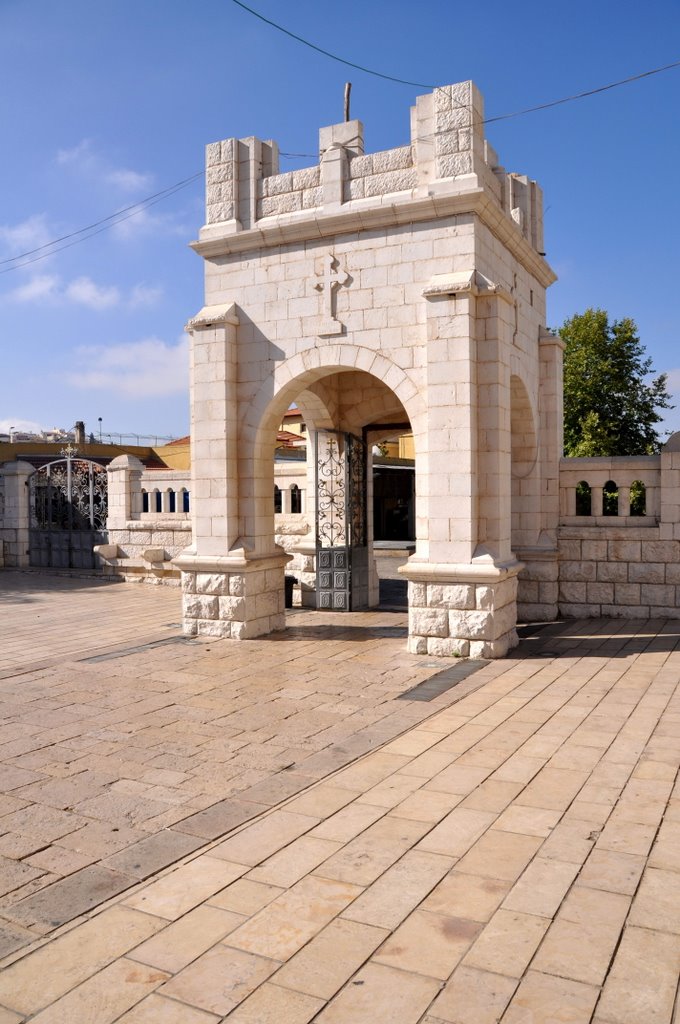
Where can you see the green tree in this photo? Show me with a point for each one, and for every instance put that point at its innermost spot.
(611, 407)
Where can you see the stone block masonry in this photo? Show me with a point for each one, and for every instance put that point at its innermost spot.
(463, 619)
(234, 605)
(613, 562)
(622, 572)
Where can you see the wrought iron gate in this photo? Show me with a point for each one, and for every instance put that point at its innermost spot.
(68, 506)
(341, 541)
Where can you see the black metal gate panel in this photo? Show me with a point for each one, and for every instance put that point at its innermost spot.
(341, 540)
(68, 508)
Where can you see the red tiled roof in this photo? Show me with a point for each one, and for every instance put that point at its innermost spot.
(288, 439)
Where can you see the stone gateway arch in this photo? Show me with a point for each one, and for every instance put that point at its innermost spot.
(400, 290)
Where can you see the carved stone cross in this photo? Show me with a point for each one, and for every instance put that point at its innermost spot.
(331, 279)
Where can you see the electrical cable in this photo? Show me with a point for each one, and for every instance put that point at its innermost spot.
(136, 208)
(115, 218)
(420, 85)
(582, 95)
(333, 56)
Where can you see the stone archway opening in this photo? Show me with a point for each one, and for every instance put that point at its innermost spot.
(350, 416)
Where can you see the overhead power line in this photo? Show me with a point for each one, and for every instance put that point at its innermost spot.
(582, 95)
(326, 53)
(421, 85)
(42, 252)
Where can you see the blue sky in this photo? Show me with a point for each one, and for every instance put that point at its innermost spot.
(106, 104)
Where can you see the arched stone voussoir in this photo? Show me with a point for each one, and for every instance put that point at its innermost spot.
(304, 369)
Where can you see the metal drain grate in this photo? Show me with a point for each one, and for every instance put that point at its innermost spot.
(443, 681)
(137, 649)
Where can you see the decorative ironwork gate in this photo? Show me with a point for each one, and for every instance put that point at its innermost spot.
(68, 506)
(341, 541)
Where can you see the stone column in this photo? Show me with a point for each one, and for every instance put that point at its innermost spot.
(624, 501)
(125, 491)
(124, 503)
(229, 590)
(495, 324)
(596, 500)
(462, 578)
(373, 578)
(537, 599)
(306, 548)
(669, 520)
(17, 513)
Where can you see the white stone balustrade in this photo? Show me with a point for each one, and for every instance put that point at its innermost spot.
(597, 473)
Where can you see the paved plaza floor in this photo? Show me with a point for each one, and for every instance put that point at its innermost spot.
(321, 827)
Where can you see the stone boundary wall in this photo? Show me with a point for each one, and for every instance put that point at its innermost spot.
(143, 550)
(142, 545)
(621, 565)
(4, 534)
(618, 571)
(624, 472)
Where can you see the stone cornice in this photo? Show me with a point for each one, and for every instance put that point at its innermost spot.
(533, 553)
(472, 572)
(224, 313)
(368, 215)
(236, 561)
(465, 281)
(551, 340)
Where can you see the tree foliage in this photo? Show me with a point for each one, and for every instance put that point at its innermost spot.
(611, 407)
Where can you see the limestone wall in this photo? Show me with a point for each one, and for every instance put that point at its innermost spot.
(619, 571)
(378, 174)
(14, 513)
(619, 536)
(286, 193)
(141, 545)
(5, 537)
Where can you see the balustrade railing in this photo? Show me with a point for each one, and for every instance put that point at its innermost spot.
(163, 493)
(618, 491)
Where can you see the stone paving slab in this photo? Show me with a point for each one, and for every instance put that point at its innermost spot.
(47, 616)
(537, 883)
(125, 746)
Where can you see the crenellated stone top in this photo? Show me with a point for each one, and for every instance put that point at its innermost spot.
(447, 156)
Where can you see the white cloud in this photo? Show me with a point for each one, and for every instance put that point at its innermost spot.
(27, 235)
(144, 223)
(84, 292)
(129, 181)
(143, 295)
(137, 369)
(41, 287)
(87, 161)
(20, 426)
(673, 383)
(81, 154)
(671, 419)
